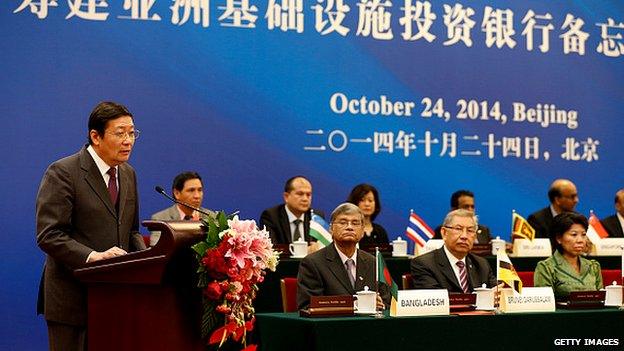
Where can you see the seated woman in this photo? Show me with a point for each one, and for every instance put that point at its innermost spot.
(566, 270)
(366, 197)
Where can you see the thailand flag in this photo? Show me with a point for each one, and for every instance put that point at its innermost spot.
(418, 231)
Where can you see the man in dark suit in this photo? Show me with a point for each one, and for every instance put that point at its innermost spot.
(290, 221)
(340, 268)
(464, 199)
(87, 210)
(614, 224)
(187, 188)
(452, 266)
(563, 197)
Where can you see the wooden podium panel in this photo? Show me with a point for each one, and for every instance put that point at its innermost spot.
(147, 300)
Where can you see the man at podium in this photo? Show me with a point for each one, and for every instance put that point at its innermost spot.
(87, 210)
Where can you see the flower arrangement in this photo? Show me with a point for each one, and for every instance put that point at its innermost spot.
(233, 259)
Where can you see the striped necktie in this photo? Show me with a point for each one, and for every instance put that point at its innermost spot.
(463, 275)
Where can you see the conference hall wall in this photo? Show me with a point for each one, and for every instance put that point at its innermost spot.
(417, 98)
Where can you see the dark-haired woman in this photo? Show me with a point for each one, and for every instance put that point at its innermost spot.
(366, 197)
(567, 270)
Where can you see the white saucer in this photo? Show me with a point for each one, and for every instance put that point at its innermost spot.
(297, 256)
(393, 255)
(365, 312)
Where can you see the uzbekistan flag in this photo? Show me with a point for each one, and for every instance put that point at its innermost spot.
(595, 231)
(520, 228)
(418, 231)
(383, 276)
(505, 272)
(319, 230)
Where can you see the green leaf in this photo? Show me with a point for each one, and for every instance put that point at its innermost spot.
(200, 248)
(210, 318)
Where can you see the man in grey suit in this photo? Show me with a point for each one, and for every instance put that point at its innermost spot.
(452, 266)
(187, 188)
(340, 268)
(87, 210)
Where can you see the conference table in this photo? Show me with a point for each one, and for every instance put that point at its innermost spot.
(521, 331)
(269, 298)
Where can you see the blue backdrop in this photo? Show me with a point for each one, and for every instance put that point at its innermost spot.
(249, 97)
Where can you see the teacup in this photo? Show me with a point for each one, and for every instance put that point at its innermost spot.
(298, 248)
(613, 296)
(497, 244)
(365, 301)
(399, 247)
(485, 298)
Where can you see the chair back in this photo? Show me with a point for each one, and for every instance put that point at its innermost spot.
(288, 287)
(407, 282)
(611, 275)
(527, 278)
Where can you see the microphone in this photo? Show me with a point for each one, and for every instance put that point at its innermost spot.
(159, 189)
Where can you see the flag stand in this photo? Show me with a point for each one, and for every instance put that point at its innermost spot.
(378, 313)
(496, 291)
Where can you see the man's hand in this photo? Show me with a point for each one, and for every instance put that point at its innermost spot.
(380, 304)
(112, 252)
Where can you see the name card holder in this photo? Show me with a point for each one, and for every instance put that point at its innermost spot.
(426, 302)
(463, 302)
(531, 300)
(528, 248)
(608, 247)
(430, 245)
(329, 306)
(583, 300)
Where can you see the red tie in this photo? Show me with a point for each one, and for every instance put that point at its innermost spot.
(112, 185)
(463, 276)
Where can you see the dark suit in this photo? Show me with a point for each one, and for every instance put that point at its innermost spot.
(323, 273)
(76, 216)
(483, 234)
(541, 222)
(433, 271)
(276, 221)
(613, 226)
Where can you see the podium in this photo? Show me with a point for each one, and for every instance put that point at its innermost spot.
(147, 300)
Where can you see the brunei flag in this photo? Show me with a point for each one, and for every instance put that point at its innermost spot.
(506, 273)
(319, 230)
(383, 276)
(520, 228)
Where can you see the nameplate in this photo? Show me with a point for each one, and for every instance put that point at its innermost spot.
(329, 306)
(430, 245)
(462, 302)
(426, 302)
(531, 300)
(528, 248)
(608, 247)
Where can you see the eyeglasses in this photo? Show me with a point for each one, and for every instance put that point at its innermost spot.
(122, 136)
(345, 223)
(459, 229)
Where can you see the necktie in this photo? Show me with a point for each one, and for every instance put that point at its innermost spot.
(112, 185)
(297, 233)
(350, 265)
(463, 276)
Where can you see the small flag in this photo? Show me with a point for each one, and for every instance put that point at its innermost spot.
(319, 230)
(595, 231)
(505, 272)
(520, 228)
(418, 231)
(383, 276)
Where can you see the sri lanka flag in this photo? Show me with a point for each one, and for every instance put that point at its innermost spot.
(520, 228)
(506, 273)
(383, 276)
(319, 230)
(418, 231)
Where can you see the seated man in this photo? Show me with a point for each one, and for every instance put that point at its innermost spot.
(187, 187)
(563, 197)
(290, 221)
(340, 268)
(452, 266)
(614, 224)
(464, 199)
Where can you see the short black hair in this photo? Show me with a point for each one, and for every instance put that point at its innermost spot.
(358, 193)
(180, 179)
(288, 187)
(562, 223)
(459, 193)
(102, 113)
